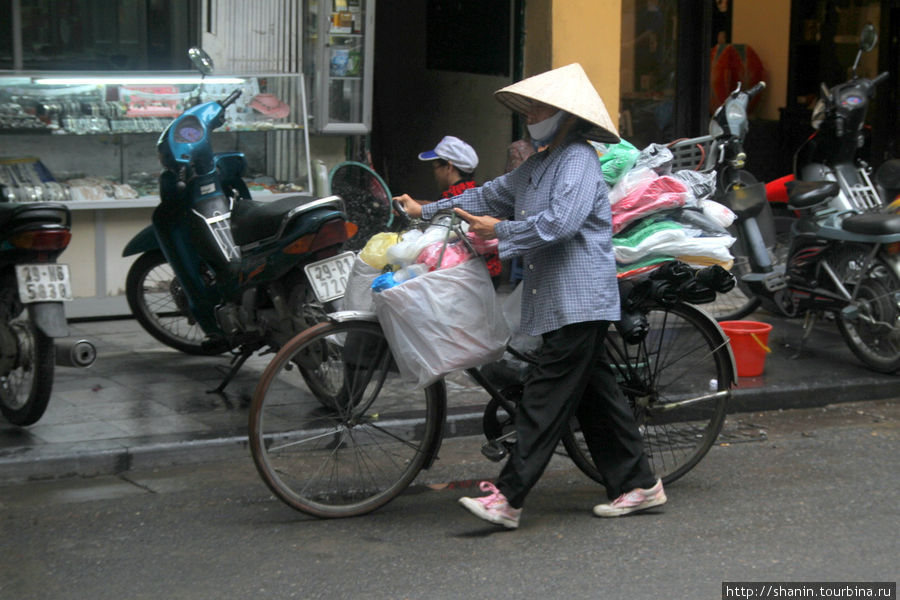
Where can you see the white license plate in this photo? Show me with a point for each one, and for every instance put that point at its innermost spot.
(328, 277)
(48, 282)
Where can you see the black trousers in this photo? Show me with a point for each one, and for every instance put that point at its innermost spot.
(573, 377)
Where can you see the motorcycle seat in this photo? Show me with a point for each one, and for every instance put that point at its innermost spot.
(806, 194)
(253, 221)
(33, 212)
(872, 224)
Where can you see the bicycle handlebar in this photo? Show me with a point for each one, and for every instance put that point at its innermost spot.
(756, 89)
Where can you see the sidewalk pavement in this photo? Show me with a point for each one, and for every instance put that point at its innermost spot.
(143, 405)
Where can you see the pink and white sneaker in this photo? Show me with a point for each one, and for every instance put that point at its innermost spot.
(493, 507)
(635, 500)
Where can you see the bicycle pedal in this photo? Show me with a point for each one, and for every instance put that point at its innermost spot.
(494, 451)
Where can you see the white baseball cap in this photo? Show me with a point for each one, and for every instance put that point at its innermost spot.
(455, 151)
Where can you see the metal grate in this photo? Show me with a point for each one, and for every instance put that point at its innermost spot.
(864, 196)
(691, 154)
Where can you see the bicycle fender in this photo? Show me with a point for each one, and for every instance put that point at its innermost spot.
(50, 318)
(343, 316)
(144, 241)
(435, 445)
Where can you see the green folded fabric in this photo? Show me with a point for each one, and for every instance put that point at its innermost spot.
(645, 228)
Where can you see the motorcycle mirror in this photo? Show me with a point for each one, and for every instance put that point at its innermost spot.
(201, 60)
(868, 38)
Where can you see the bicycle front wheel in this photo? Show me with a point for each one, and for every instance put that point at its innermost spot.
(676, 380)
(359, 447)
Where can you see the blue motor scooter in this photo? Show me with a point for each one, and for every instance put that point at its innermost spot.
(219, 271)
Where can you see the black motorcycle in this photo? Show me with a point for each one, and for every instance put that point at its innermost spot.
(722, 152)
(832, 152)
(33, 287)
(250, 274)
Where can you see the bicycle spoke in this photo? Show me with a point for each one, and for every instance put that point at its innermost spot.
(676, 380)
(384, 426)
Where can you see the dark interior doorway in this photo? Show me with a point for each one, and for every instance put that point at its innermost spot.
(420, 96)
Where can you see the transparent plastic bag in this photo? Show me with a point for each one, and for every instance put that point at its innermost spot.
(358, 294)
(635, 179)
(657, 157)
(375, 251)
(702, 185)
(449, 255)
(443, 321)
(617, 161)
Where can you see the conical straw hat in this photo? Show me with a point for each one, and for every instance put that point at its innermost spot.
(567, 88)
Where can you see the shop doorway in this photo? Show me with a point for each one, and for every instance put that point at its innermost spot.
(824, 43)
(664, 85)
(422, 94)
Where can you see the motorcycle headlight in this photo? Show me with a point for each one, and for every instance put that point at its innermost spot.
(818, 114)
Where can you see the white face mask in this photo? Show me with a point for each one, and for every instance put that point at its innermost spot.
(542, 132)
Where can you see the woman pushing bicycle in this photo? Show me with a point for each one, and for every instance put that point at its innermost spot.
(554, 213)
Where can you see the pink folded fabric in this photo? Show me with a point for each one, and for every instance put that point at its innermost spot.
(455, 254)
(481, 245)
(662, 193)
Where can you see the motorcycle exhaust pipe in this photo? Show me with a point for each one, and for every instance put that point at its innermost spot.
(75, 353)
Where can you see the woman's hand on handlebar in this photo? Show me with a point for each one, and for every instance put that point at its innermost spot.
(482, 226)
(410, 206)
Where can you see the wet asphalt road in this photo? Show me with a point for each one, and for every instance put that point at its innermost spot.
(814, 499)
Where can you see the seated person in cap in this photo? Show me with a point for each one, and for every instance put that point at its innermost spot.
(454, 163)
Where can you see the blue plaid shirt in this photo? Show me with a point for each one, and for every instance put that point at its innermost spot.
(560, 224)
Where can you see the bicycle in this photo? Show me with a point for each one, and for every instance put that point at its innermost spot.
(362, 448)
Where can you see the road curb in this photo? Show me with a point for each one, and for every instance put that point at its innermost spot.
(35, 464)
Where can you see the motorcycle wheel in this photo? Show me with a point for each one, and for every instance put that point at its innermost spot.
(873, 331)
(315, 361)
(25, 387)
(157, 302)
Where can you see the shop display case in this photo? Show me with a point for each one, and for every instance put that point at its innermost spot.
(338, 58)
(89, 140)
(37, 109)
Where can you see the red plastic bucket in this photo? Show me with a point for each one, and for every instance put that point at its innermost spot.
(750, 343)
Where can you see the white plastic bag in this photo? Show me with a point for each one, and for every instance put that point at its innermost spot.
(719, 212)
(358, 293)
(512, 310)
(443, 321)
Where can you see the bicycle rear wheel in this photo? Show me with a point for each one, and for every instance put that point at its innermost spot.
(362, 450)
(676, 381)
